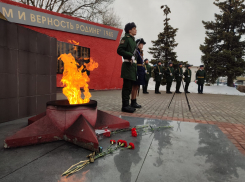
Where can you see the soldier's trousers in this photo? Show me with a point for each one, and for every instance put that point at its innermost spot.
(186, 86)
(145, 86)
(127, 89)
(157, 87)
(178, 84)
(200, 88)
(168, 86)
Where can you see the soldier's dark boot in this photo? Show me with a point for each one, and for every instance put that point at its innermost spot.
(134, 104)
(127, 108)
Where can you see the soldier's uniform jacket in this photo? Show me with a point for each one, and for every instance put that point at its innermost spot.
(148, 73)
(158, 73)
(200, 76)
(126, 49)
(169, 74)
(187, 75)
(178, 74)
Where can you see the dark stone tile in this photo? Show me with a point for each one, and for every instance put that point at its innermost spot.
(8, 84)
(53, 47)
(12, 105)
(41, 103)
(9, 109)
(3, 109)
(43, 84)
(12, 62)
(11, 85)
(43, 64)
(12, 36)
(43, 44)
(33, 41)
(27, 106)
(3, 90)
(53, 84)
(23, 38)
(27, 39)
(8, 60)
(53, 97)
(27, 85)
(53, 65)
(3, 58)
(3, 32)
(27, 62)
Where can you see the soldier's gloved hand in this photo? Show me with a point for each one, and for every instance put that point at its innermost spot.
(133, 58)
(145, 71)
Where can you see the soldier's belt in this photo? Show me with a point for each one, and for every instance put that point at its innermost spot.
(200, 77)
(139, 64)
(129, 61)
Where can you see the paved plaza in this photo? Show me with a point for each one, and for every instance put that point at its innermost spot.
(188, 152)
(206, 144)
(225, 111)
(204, 108)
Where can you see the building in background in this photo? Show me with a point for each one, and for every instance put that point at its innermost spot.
(83, 39)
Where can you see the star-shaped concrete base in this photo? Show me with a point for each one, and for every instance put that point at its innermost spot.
(73, 124)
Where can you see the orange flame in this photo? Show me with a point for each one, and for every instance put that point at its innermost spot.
(73, 42)
(74, 79)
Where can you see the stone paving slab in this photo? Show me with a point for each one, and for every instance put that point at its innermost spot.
(187, 152)
(205, 107)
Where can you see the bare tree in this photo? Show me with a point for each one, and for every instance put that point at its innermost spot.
(111, 18)
(92, 10)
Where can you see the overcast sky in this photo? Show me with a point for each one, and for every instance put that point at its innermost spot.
(187, 15)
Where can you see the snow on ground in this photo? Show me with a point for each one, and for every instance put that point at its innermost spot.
(214, 89)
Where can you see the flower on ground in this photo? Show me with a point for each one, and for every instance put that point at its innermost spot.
(131, 146)
(107, 133)
(112, 142)
(134, 134)
(124, 143)
(133, 129)
(119, 142)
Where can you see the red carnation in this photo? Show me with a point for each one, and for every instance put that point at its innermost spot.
(131, 146)
(107, 133)
(119, 142)
(124, 143)
(134, 134)
(112, 142)
(133, 129)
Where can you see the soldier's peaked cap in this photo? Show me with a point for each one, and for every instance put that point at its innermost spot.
(188, 65)
(141, 41)
(201, 66)
(145, 60)
(170, 63)
(129, 26)
(159, 62)
(180, 64)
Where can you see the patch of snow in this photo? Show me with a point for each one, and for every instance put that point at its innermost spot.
(214, 89)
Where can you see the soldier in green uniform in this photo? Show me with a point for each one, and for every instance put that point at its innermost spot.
(129, 67)
(158, 76)
(187, 79)
(178, 78)
(147, 76)
(200, 77)
(169, 77)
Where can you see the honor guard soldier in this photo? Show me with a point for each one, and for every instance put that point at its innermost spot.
(187, 79)
(129, 67)
(147, 76)
(169, 77)
(200, 78)
(178, 78)
(158, 76)
(140, 73)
